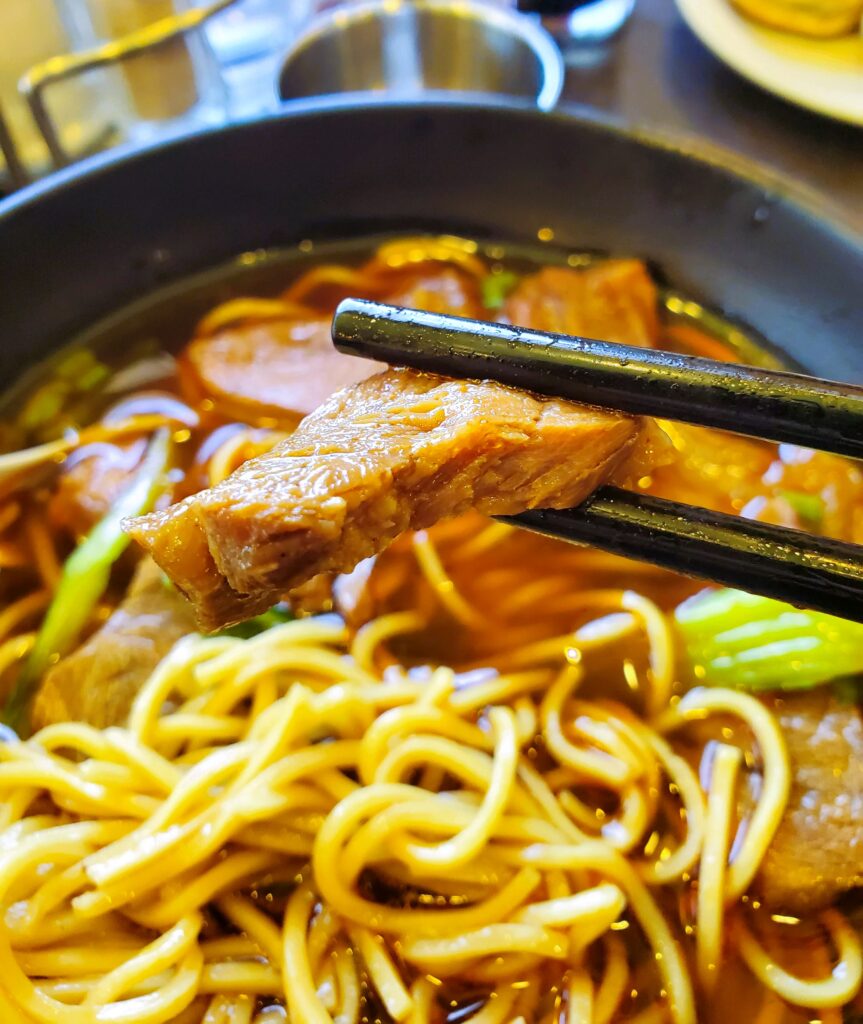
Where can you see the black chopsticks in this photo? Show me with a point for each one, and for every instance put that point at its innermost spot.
(770, 404)
(793, 566)
(807, 570)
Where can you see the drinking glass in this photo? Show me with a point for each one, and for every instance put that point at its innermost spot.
(249, 40)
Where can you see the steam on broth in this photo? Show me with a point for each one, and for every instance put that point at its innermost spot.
(482, 777)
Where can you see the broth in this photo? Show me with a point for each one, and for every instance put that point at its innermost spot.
(468, 665)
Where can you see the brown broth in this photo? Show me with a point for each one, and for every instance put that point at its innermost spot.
(164, 321)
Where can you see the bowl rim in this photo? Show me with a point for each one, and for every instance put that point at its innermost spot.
(776, 185)
(530, 32)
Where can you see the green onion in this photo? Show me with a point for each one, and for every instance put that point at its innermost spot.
(495, 288)
(809, 507)
(755, 643)
(92, 378)
(252, 627)
(86, 574)
(75, 363)
(44, 405)
(848, 690)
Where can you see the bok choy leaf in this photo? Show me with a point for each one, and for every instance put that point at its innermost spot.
(755, 643)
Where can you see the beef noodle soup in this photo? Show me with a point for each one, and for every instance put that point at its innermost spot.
(481, 776)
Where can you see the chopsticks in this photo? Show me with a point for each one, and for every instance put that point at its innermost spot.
(803, 569)
(770, 404)
(793, 566)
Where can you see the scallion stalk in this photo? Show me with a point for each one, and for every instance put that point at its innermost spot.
(86, 573)
(495, 287)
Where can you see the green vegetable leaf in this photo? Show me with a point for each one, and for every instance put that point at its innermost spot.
(755, 643)
(86, 574)
(495, 288)
(809, 507)
(253, 627)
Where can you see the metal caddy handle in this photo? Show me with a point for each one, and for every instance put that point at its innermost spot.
(37, 79)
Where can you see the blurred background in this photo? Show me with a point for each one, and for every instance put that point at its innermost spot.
(81, 76)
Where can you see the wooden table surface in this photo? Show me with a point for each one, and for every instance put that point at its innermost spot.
(658, 74)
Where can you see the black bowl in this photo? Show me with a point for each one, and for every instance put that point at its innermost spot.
(88, 241)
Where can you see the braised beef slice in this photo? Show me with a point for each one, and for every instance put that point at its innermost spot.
(399, 451)
(817, 853)
(98, 682)
(614, 301)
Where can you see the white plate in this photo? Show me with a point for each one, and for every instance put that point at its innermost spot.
(823, 75)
